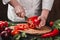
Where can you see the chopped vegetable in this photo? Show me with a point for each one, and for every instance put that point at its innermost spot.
(33, 20)
(14, 32)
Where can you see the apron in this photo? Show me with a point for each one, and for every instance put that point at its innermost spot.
(32, 8)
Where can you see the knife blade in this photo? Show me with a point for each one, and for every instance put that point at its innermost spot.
(26, 17)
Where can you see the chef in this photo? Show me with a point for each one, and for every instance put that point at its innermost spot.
(18, 9)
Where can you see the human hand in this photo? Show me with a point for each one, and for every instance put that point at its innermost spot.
(20, 11)
(42, 22)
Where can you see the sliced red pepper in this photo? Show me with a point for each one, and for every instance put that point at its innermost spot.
(26, 26)
(51, 34)
(33, 20)
(32, 26)
(14, 32)
(23, 26)
(19, 28)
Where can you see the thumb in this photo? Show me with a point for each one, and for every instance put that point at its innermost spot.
(42, 23)
(23, 14)
(39, 18)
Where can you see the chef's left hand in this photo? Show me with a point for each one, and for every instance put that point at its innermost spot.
(43, 17)
(42, 22)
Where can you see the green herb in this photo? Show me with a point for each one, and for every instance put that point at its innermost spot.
(56, 24)
(17, 37)
(24, 34)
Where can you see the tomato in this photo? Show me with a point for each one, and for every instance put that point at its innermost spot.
(51, 23)
(4, 23)
(1, 25)
(14, 32)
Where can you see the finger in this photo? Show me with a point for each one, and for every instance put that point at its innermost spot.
(19, 15)
(39, 26)
(42, 23)
(17, 10)
(22, 14)
(39, 18)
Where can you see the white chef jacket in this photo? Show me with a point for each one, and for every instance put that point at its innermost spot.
(31, 7)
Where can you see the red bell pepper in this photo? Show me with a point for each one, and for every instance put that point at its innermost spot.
(51, 34)
(34, 20)
(32, 26)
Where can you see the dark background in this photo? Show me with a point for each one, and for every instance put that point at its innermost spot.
(3, 11)
(53, 15)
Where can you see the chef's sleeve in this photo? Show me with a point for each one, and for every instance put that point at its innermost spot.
(5, 1)
(47, 4)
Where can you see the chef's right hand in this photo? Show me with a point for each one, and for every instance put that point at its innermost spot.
(20, 11)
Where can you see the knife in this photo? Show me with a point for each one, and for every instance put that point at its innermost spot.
(25, 19)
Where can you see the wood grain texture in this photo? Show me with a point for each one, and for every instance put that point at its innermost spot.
(43, 30)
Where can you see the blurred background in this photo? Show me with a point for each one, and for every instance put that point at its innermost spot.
(3, 11)
(53, 15)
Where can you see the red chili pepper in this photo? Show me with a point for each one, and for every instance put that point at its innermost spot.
(51, 34)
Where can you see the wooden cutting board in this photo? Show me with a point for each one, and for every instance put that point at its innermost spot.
(43, 30)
